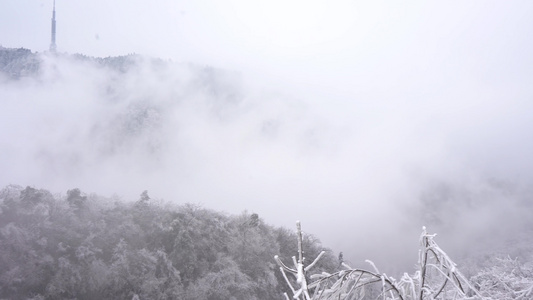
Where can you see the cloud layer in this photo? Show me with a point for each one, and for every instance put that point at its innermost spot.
(363, 173)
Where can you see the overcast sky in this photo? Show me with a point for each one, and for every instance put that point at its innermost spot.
(373, 104)
(339, 44)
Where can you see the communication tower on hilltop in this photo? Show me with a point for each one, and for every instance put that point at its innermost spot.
(53, 46)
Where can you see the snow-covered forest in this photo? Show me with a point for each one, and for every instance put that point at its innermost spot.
(74, 125)
(79, 246)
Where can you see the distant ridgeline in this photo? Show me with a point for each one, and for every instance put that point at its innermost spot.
(16, 63)
(225, 85)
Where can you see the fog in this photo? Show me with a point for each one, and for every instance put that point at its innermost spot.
(389, 119)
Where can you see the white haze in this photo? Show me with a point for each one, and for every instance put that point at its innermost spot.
(414, 115)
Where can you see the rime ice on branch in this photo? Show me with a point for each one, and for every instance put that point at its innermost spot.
(437, 278)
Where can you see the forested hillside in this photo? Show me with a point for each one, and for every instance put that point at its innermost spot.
(79, 246)
(17, 63)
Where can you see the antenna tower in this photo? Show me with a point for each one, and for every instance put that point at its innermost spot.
(53, 46)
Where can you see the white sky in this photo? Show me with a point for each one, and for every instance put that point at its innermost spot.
(397, 93)
(331, 42)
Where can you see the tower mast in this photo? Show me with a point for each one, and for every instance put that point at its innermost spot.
(53, 46)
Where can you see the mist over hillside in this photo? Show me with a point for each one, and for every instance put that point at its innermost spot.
(362, 172)
(81, 246)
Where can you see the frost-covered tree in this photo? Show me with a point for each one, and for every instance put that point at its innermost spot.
(437, 278)
(18, 62)
(506, 279)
